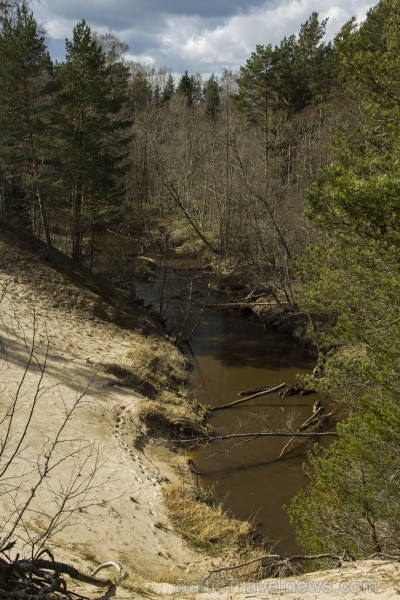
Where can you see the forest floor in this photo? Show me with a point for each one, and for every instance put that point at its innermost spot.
(82, 342)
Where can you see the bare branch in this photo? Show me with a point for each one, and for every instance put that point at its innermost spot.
(271, 390)
(256, 435)
(273, 561)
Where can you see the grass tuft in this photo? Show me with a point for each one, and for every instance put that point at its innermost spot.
(174, 419)
(203, 522)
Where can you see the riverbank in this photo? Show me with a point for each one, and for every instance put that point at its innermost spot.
(232, 349)
(81, 355)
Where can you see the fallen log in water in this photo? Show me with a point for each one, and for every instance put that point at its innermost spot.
(255, 435)
(256, 390)
(313, 425)
(290, 390)
(295, 390)
(257, 395)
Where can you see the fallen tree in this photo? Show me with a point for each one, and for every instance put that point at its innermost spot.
(314, 424)
(255, 435)
(283, 388)
(263, 392)
(273, 565)
(276, 565)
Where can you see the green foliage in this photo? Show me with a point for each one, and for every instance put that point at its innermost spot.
(62, 128)
(352, 502)
(353, 278)
(91, 95)
(25, 70)
(313, 65)
(368, 206)
(212, 96)
(289, 77)
(169, 89)
(257, 91)
(140, 92)
(189, 87)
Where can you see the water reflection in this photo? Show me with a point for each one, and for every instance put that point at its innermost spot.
(231, 355)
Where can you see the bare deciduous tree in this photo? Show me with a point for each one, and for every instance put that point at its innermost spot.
(46, 473)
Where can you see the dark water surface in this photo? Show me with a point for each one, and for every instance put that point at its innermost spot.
(231, 354)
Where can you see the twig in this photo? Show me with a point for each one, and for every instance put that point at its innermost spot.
(308, 423)
(383, 555)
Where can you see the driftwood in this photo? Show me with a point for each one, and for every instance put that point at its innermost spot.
(269, 563)
(291, 390)
(316, 422)
(255, 390)
(33, 579)
(283, 388)
(264, 392)
(295, 390)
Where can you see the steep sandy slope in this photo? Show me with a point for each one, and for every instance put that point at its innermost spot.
(120, 516)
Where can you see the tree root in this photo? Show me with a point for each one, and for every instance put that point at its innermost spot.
(23, 579)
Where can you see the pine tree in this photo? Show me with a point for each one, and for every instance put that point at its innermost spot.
(25, 69)
(257, 95)
(169, 89)
(313, 65)
(212, 95)
(289, 77)
(140, 91)
(91, 96)
(189, 87)
(353, 278)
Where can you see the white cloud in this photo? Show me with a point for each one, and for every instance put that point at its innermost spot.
(144, 60)
(59, 28)
(231, 43)
(206, 43)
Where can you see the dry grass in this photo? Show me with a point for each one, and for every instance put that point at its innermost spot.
(139, 583)
(156, 369)
(152, 367)
(159, 361)
(174, 419)
(202, 522)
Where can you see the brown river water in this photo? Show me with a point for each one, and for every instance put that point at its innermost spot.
(230, 354)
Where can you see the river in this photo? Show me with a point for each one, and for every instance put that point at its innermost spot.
(231, 354)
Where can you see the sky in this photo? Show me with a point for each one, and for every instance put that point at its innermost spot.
(200, 36)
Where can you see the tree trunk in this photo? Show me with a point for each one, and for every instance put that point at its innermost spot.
(77, 236)
(35, 169)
